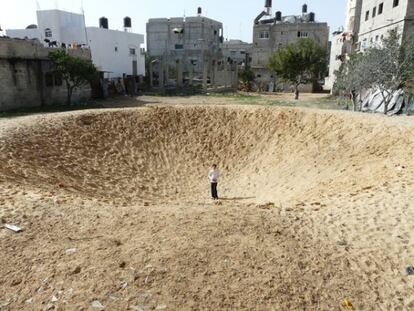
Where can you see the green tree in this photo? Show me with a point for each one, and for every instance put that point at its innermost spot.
(75, 71)
(390, 66)
(299, 63)
(352, 77)
(246, 75)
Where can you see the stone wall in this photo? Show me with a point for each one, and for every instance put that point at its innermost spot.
(26, 77)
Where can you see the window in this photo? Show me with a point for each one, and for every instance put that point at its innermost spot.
(132, 51)
(179, 46)
(116, 49)
(367, 15)
(49, 79)
(396, 3)
(48, 33)
(302, 34)
(264, 35)
(374, 12)
(380, 8)
(377, 38)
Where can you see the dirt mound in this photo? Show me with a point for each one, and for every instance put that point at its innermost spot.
(163, 154)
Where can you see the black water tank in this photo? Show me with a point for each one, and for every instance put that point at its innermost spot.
(278, 16)
(305, 8)
(311, 17)
(103, 23)
(268, 3)
(199, 11)
(127, 22)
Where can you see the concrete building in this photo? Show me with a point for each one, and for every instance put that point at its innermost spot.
(237, 51)
(27, 78)
(185, 49)
(272, 33)
(116, 53)
(378, 17)
(367, 22)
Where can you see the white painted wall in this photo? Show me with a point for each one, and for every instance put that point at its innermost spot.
(371, 30)
(69, 28)
(103, 43)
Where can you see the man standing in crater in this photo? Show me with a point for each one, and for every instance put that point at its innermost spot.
(213, 176)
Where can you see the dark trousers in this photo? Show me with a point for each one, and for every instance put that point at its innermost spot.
(214, 190)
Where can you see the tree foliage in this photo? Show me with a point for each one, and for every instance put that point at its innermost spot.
(352, 77)
(299, 63)
(75, 71)
(246, 75)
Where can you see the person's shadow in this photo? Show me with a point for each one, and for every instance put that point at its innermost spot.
(236, 199)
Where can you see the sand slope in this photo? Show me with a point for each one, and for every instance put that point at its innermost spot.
(127, 189)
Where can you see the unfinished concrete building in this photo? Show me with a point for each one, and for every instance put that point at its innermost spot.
(271, 33)
(186, 50)
(238, 51)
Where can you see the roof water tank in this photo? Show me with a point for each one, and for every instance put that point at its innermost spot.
(305, 8)
(278, 16)
(311, 17)
(103, 23)
(199, 11)
(268, 3)
(127, 22)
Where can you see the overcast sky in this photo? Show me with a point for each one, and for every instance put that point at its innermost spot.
(236, 15)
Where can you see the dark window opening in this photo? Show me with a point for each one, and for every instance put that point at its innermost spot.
(374, 12)
(367, 15)
(396, 3)
(380, 8)
(116, 49)
(58, 80)
(49, 79)
(179, 46)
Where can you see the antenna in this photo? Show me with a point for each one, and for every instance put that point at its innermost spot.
(38, 5)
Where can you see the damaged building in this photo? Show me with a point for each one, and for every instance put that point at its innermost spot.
(187, 50)
(27, 76)
(272, 32)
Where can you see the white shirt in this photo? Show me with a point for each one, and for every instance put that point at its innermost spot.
(213, 175)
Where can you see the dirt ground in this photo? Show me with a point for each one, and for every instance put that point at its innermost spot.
(316, 208)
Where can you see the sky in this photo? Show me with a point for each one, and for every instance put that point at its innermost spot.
(236, 15)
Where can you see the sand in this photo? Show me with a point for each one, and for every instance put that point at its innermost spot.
(317, 206)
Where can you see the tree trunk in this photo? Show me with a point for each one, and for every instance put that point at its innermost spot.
(69, 96)
(353, 98)
(296, 92)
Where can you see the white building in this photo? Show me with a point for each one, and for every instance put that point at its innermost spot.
(378, 17)
(114, 52)
(367, 22)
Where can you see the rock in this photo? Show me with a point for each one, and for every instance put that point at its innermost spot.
(16, 282)
(136, 308)
(122, 264)
(71, 251)
(410, 270)
(97, 304)
(54, 299)
(161, 307)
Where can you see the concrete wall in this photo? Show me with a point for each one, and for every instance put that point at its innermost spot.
(372, 30)
(26, 78)
(237, 50)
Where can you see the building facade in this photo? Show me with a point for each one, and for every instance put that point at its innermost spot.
(272, 33)
(27, 77)
(116, 53)
(237, 51)
(378, 17)
(367, 23)
(190, 47)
